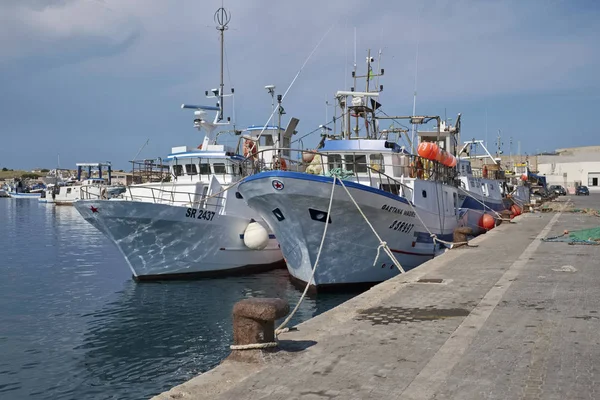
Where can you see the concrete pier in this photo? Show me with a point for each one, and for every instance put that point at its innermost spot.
(514, 318)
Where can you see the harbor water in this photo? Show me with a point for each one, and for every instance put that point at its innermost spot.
(74, 325)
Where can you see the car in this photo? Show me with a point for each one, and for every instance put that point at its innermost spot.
(582, 190)
(559, 190)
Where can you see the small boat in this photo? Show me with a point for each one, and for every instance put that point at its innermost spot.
(4, 191)
(21, 191)
(94, 186)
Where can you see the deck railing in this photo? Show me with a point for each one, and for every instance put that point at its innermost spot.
(411, 166)
(164, 196)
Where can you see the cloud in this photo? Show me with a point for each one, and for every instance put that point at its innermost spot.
(42, 34)
(137, 60)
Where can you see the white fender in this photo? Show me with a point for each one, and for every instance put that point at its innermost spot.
(256, 236)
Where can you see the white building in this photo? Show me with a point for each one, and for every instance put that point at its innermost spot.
(572, 167)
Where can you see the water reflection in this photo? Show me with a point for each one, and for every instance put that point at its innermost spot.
(157, 335)
(74, 325)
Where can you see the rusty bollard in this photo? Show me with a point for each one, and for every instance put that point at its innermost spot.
(254, 327)
(460, 236)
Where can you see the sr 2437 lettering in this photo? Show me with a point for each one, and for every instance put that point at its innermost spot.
(200, 214)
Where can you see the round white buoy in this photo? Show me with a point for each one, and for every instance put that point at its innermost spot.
(256, 236)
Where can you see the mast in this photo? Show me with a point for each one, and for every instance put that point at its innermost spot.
(222, 19)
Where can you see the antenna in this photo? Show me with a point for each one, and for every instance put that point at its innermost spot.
(486, 125)
(412, 134)
(222, 19)
(499, 144)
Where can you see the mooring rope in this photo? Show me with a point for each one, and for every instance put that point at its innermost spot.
(432, 235)
(253, 346)
(484, 205)
(382, 244)
(282, 327)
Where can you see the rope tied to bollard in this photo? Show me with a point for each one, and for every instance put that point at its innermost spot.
(382, 245)
(253, 346)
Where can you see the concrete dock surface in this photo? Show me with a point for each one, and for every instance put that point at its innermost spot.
(514, 318)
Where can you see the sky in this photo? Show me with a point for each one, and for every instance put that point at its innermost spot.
(94, 80)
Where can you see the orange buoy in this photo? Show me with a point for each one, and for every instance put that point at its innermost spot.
(516, 210)
(432, 151)
(487, 222)
(428, 150)
(523, 177)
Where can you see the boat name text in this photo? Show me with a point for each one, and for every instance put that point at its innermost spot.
(200, 214)
(396, 210)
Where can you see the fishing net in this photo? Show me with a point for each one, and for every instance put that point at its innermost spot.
(583, 236)
(340, 173)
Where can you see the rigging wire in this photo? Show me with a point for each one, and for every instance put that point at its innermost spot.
(315, 130)
(294, 80)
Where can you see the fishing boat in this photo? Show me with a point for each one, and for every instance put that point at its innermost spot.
(21, 191)
(93, 186)
(4, 191)
(384, 208)
(192, 223)
(482, 191)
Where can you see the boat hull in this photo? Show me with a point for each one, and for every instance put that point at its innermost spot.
(162, 241)
(295, 207)
(25, 195)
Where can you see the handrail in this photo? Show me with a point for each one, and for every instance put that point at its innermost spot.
(396, 182)
(155, 196)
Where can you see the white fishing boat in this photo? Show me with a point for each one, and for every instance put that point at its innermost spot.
(93, 186)
(54, 180)
(20, 191)
(411, 203)
(190, 225)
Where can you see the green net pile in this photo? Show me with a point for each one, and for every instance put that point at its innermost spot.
(583, 236)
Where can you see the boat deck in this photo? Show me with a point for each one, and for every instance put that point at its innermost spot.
(514, 318)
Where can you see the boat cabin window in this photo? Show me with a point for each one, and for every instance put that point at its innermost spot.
(191, 169)
(391, 188)
(178, 170)
(286, 146)
(68, 190)
(377, 162)
(265, 140)
(334, 161)
(237, 168)
(219, 168)
(356, 163)
(424, 193)
(205, 168)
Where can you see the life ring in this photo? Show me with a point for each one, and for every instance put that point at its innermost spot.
(250, 148)
(280, 164)
(485, 172)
